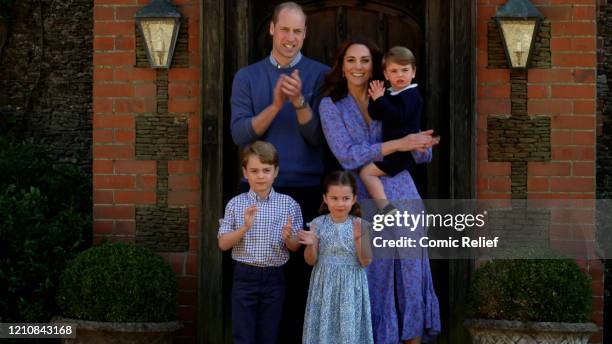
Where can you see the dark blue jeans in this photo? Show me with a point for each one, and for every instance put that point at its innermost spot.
(257, 303)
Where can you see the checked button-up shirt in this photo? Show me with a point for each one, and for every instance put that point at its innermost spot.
(263, 244)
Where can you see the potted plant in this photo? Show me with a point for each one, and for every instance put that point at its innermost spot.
(119, 293)
(530, 301)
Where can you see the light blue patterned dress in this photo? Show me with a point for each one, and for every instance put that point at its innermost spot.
(338, 306)
(403, 300)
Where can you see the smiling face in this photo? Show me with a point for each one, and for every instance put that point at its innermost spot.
(288, 35)
(399, 75)
(339, 200)
(259, 175)
(357, 65)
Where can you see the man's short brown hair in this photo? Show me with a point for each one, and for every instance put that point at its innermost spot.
(265, 151)
(289, 5)
(399, 55)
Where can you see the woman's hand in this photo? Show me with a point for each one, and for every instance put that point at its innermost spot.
(417, 142)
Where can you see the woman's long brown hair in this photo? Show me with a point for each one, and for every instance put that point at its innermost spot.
(335, 85)
(340, 178)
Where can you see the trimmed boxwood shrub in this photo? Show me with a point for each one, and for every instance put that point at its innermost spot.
(44, 222)
(541, 290)
(118, 282)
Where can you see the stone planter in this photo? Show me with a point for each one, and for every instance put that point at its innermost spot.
(96, 332)
(486, 331)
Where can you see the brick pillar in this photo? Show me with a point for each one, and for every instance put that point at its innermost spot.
(146, 147)
(561, 85)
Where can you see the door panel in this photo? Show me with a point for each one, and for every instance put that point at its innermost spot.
(330, 23)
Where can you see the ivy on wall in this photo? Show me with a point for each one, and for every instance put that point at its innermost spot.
(46, 75)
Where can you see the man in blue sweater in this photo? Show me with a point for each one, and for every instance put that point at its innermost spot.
(276, 100)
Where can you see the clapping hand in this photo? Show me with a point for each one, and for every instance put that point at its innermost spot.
(364, 252)
(376, 90)
(308, 237)
(292, 86)
(249, 216)
(279, 96)
(287, 230)
(357, 230)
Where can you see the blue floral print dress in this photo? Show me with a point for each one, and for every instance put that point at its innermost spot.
(404, 304)
(338, 306)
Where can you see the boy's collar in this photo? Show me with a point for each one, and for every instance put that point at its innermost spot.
(394, 92)
(253, 195)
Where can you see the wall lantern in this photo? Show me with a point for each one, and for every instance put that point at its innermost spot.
(159, 23)
(519, 23)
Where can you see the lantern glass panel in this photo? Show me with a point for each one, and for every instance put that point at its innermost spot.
(518, 35)
(158, 36)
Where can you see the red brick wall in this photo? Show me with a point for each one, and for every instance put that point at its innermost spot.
(120, 182)
(567, 93)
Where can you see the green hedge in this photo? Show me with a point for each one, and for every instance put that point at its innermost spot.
(44, 222)
(119, 283)
(27, 164)
(545, 290)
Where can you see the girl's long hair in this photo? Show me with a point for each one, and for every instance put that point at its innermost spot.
(340, 178)
(335, 85)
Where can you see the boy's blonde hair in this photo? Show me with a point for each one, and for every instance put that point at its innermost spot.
(265, 151)
(399, 55)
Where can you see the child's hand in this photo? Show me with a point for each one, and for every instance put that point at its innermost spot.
(308, 237)
(287, 230)
(249, 215)
(357, 229)
(364, 253)
(376, 90)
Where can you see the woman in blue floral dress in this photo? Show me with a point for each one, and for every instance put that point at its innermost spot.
(403, 301)
(338, 306)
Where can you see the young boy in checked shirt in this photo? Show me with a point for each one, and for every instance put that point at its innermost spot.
(259, 226)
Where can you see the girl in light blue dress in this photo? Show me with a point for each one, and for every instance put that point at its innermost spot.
(338, 306)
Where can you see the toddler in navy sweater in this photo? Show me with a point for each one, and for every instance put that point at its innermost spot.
(399, 109)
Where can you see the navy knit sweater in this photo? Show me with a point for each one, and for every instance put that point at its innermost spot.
(400, 114)
(300, 147)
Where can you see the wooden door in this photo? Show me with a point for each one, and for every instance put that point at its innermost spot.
(439, 32)
(330, 23)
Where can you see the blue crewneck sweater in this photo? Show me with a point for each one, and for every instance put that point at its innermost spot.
(300, 147)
